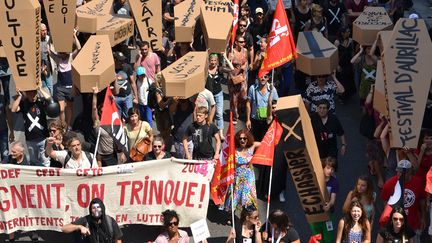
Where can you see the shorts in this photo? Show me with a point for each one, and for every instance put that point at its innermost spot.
(63, 93)
(5, 85)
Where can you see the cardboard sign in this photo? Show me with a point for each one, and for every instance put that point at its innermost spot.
(384, 39)
(20, 34)
(118, 28)
(316, 55)
(301, 152)
(89, 13)
(94, 65)
(2, 52)
(408, 77)
(61, 21)
(371, 21)
(148, 15)
(186, 76)
(200, 230)
(186, 14)
(379, 99)
(216, 21)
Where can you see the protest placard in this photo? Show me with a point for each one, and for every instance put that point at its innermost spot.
(40, 198)
(186, 14)
(94, 65)
(186, 76)
(200, 230)
(148, 15)
(371, 21)
(2, 52)
(408, 78)
(89, 13)
(301, 153)
(20, 34)
(316, 55)
(118, 28)
(216, 22)
(61, 22)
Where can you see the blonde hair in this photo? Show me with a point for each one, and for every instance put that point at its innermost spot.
(315, 8)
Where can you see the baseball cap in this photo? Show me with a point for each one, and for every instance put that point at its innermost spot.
(413, 16)
(259, 10)
(119, 56)
(403, 164)
(140, 71)
(121, 75)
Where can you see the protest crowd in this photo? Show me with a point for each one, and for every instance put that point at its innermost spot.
(69, 121)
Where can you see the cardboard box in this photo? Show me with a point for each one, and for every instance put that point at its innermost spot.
(216, 22)
(408, 77)
(186, 76)
(148, 15)
(87, 14)
(117, 27)
(186, 14)
(383, 39)
(379, 99)
(301, 153)
(371, 21)
(2, 51)
(316, 55)
(61, 21)
(20, 35)
(94, 65)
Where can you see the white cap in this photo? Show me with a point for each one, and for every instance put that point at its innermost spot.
(413, 16)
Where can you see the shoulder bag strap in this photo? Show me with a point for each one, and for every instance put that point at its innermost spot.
(139, 132)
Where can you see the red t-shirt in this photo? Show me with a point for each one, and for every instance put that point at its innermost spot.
(414, 192)
(350, 4)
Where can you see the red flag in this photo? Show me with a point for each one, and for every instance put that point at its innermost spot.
(264, 155)
(396, 199)
(235, 21)
(224, 176)
(281, 48)
(111, 121)
(315, 238)
(429, 181)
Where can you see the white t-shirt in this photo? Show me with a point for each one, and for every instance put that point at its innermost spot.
(75, 164)
(143, 90)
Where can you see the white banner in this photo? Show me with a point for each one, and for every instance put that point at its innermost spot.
(40, 198)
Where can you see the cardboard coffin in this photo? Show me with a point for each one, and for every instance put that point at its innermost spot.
(186, 76)
(216, 21)
(186, 14)
(61, 21)
(408, 77)
(89, 13)
(148, 15)
(118, 28)
(94, 65)
(301, 153)
(20, 35)
(371, 21)
(316, 55)
(383, 39)
(379, 99)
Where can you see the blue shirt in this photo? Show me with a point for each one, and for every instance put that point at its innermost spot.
(257, 99)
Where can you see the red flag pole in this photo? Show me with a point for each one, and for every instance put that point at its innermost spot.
(97, 144)
(232, 184)
(269, 197)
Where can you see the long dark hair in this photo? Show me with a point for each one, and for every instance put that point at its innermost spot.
(247, 210)
(349, 222)
(280, 218)
(389, 225)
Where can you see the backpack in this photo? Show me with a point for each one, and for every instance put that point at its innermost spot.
(69, 156)
(151, 96)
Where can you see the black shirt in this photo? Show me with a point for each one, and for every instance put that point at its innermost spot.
(35, 121)
(326, 134)
(390, 236)
(334, 16)
(97, 232)
(202, 140)
(181, 120)
(11, 161)
(152, 156)
(213, 83)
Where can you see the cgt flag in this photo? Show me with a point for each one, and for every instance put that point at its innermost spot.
(281, 48)
(224, 170)
(111, 122)
(265, 152)
(235, 21)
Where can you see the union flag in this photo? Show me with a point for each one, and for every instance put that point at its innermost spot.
(264, 154)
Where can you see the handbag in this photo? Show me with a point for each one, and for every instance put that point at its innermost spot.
(140, 148)
(367, 125)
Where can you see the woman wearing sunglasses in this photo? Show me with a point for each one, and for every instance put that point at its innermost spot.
(396, 230)
(171, 231)
(158, 150)
(244, 185)
(248, 229)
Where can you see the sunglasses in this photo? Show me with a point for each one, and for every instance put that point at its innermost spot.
(243, 138)
(242, 25)
(157, 146)
(176, 223)
(53, 130)
(241, 41)
(266, 76)
(398, 219)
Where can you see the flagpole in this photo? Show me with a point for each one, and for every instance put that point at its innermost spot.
(269, 197)
(97, 144)
(232, 208)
